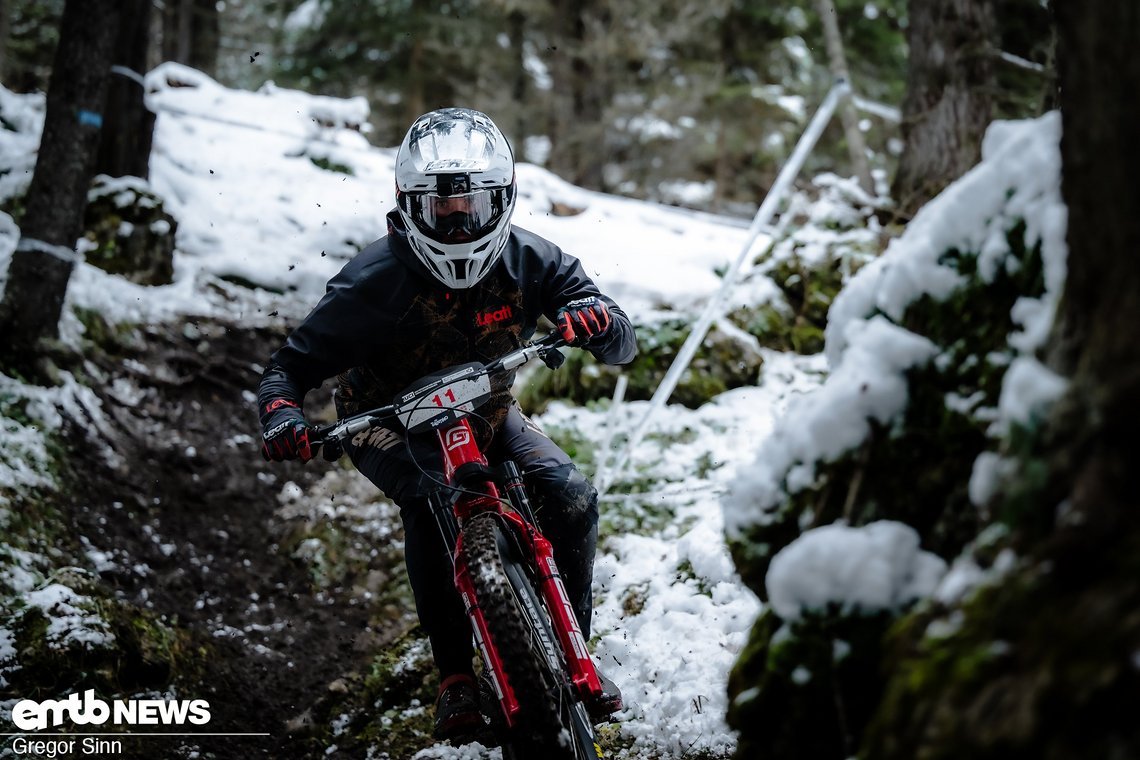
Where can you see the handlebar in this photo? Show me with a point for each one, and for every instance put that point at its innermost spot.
(545, 348)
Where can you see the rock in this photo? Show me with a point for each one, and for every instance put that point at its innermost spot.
(128, 231)
(724, 361)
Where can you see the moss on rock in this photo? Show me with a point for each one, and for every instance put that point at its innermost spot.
(70, 636)
(722, 362)
(806, 689)
(129, 231)
(1038, 665)
(917, 469)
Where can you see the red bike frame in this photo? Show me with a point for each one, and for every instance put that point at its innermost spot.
(458, 446)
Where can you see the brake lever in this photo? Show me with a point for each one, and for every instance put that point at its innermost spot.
(331, 437)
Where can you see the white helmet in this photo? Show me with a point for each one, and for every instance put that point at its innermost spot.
(455, 189)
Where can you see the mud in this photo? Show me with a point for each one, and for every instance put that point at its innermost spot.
(189, 525)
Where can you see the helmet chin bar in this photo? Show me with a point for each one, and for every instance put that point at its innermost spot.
(462, 265)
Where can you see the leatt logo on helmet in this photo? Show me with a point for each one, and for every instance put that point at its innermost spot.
(490, 317)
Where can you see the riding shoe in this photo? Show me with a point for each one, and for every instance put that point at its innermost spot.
(608, 702)
(457, 708)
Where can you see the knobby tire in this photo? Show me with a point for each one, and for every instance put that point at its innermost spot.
(552, 722)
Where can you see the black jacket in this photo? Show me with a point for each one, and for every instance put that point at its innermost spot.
(384, 321)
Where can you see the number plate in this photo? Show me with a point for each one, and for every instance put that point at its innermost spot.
(437, 401)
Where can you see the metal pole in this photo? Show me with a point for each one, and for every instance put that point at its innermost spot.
(713, 308)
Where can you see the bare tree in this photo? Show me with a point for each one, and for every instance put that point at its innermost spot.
(948, 96)
(44, 257)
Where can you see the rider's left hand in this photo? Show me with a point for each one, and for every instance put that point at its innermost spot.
(584, 320)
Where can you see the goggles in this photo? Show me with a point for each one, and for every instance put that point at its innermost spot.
(457, 218)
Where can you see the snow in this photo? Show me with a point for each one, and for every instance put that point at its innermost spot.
(878, 566)
(867, 385)
(1018, 179)
(7, 645)
(72, 618)
(1028, 388)
(239, 171)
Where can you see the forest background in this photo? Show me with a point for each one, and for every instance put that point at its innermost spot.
(699, 105)
(687, 102)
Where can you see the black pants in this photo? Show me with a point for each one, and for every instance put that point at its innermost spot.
(565, 504)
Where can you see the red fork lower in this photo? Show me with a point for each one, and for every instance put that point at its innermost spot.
(492, 660)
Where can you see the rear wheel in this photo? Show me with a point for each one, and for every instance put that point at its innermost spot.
(553, 722)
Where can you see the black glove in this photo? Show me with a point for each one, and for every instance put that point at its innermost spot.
(285, 433)
(584, 320)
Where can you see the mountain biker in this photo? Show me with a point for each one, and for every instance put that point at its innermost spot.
(453, 281)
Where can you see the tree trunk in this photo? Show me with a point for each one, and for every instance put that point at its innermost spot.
(124, 147)
(576, 129)
(1097, 345)
(520, 87)
(205, 36)
(190, 33)
(856, 146)
(5, 29)
(414, 99)
(947, 106)
(42, 263)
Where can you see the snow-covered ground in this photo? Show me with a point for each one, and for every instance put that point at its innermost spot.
(242, 173)
(239, 172)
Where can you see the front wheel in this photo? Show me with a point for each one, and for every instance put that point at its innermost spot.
(553, 722)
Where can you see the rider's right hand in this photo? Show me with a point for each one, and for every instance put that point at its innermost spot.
(285, 433)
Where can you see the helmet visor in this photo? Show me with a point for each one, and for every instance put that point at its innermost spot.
(457, 218)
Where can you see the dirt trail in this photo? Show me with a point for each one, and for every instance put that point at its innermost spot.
(190, 530)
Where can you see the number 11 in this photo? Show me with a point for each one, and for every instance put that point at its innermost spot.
(450, 396)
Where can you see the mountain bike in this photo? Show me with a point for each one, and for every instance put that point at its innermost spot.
(533, 651)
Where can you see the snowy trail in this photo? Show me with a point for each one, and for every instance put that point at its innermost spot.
(671, 613)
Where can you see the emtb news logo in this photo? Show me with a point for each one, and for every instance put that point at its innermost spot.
(30, 715)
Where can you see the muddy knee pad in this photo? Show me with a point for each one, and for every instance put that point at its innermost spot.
(566, 506)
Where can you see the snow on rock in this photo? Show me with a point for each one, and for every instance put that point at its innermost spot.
(1028, 388)
(874, 567)
(72, 618)
(1018, 179)
(868, 384)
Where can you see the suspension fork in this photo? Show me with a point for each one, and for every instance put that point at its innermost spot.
(550, 586)
(451, 508)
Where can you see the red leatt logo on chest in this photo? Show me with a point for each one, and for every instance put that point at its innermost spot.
(493, 316)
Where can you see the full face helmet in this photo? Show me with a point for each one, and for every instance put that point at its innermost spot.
(455, 190)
